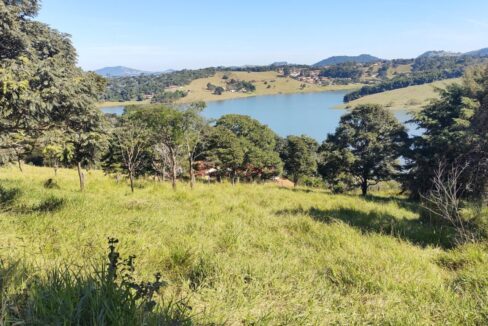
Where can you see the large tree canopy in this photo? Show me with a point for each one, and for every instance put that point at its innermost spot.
(455, 134)
(366, 146)
(40, 85)
(258, 143)
(299, 155)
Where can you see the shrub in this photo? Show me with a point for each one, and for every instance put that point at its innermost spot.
(51, 184)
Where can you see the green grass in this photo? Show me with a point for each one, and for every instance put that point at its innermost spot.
(252, 253)
(410, 98)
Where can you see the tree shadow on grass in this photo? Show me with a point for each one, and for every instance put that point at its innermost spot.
(404, 203)
(414, 231)
(9, 197)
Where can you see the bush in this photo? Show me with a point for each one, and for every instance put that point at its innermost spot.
(51, 184)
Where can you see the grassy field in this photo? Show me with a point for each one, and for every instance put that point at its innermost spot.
(253, 254)
(411, 98)
(277, 85)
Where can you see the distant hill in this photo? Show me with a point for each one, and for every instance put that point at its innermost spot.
(363, 58)
(279, 64)
(442, 54)
(478, 53)
(439, 54)
(120, 71)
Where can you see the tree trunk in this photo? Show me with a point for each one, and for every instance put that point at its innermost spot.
(19, 161)
(192, 174)
(55, 169)
(295, 181)
(81, 176)
(131, 178)
(364, 187)
(173, 174)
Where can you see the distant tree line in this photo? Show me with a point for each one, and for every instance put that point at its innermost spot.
(345, 70)
(401, 82)
(168, 96)
(135, 87)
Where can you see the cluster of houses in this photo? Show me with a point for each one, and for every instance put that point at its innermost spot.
(306, 75)
(210, 172)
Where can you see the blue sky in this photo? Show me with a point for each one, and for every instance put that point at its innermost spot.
(158, 34)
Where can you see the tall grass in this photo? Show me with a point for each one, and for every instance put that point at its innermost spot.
(105, 294)
(249, 253)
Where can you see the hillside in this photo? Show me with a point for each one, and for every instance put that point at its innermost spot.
(439, 54)
(252, 254)
(267, 83)
(363, 58)
(120, 71)
(411, 98)
(478, 53)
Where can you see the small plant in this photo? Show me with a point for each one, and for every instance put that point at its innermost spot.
(51, 184)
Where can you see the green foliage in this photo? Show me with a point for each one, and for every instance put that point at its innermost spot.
(225, 150)
(168, 97)
(299, 156)
(39, 81)
(344, 70)
(258, 143)
(218, 90)
(455, 135)
(129, 88)
(366, 146)
(401, 82)
(240, 85)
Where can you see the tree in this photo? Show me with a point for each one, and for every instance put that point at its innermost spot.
(455, 132)
(87, 137)
(299, 156)
(56, 149)
(131, 140)
(167, 127)
(226, 150)
(366, 145)
(218, 90)
(258, 142)
(194, 136)
(40, 85)
(18, 144)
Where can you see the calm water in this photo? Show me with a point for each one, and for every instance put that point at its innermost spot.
(312, 114)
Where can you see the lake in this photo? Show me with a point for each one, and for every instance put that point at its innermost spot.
(312, 114)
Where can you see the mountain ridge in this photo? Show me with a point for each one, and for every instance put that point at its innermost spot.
(334, 60)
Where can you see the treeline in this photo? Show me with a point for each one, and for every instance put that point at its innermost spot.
(168, 96)
(401, 82)
(345, 70)
(136, 87)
